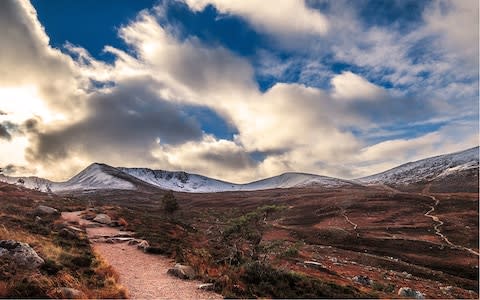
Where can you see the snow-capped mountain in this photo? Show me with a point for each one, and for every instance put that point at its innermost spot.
(427, 169)
(455, 169)
(30, 182)
(94, 177)
(185, 182)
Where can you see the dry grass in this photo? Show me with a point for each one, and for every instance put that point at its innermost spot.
(69, 262)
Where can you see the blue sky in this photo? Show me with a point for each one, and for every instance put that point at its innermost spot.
(247, 90)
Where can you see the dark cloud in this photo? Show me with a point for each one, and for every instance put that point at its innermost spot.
(122, 124)
(4, 133)
(7, 128)
(391, 110)
(236, 160)
(12, 169)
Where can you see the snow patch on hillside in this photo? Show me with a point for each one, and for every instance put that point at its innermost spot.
(185, 182)
(427, 169)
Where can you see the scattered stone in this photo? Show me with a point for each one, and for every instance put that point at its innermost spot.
(182, 271)
(143, 245)
(314, 265)
(70, 293)
(125, 234)
(116, 240)
(103, 218)
(205, 286)
(333, 259)
(76, 229)
(363, 280)
(406, 275)
(21, 253)
(446, 289)
(45, 210)
(410, 293)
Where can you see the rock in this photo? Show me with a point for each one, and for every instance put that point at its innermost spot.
(102, 218)
(45, 210)
(21, 253)
(406, 275)
(410, 293)
(446, 289)
(116, 240)
(70, 293)
(143, 245)
(76, 229)
(38, 220)
(364, 280)
(125, 234)
(205, 286)
(314, 265)
(182, 271)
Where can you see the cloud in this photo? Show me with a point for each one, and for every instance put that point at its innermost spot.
(457, 24)
(285, 18)
(127, 121)
(213, 157)
(349, 86)
(4, 132)
(28, 60)
(75, 109)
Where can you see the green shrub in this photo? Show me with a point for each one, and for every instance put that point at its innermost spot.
(169, 202)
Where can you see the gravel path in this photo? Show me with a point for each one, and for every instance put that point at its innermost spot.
(144, 275)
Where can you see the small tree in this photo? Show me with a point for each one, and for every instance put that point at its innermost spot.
(169, 202)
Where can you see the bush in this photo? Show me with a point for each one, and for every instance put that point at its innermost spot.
(169, 202)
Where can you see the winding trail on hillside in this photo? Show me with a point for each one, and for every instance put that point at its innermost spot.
(343, 212)
(439, 222)
(144, 275)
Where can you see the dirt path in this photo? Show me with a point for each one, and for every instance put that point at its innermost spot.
(344, 214)
(439, 222)
(144, 275)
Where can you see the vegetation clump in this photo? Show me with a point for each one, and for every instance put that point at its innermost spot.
(169, 202)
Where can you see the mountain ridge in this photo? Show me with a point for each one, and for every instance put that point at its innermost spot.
(98, 176)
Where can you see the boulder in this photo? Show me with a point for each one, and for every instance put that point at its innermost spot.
(410, 293)
(103, 218)
(182, 271)
(70, 293)
(45, 210)
(364, 280)
(20, 253)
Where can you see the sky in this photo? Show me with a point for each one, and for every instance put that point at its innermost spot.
(236, 90)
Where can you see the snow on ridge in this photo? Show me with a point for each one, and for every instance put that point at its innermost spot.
(185, 182)
(427, 169)
(94, 177)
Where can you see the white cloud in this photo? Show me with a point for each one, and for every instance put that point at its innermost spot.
(349, 86)
(280, 18)
(457, 24)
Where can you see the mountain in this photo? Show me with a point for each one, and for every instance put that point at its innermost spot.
(30, 182)
(94, 177)
(443, 168)
(185, 182)
(445, 173)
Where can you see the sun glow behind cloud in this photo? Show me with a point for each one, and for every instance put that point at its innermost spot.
(21, 103)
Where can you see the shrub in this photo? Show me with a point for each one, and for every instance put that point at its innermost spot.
(169, 202)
